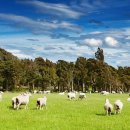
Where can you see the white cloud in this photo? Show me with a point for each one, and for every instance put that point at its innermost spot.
(55, 9)
(110, 41)
(95, 32)
(92, 42)
(19, 54)
(38, 26)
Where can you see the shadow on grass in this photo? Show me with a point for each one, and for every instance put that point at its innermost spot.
(11, 108)
(102, 114)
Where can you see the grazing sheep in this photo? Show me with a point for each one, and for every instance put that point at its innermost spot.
(62, 93)
(113, 92)
(35, 91)
(71, 95)
(128, 99)
(23, 100)
(118, 105)
(108, 107)
(96, 91)
(14, 103)
(41, 102)
(82, 95)
(104, 93)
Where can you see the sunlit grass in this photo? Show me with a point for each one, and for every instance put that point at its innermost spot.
(62, 114)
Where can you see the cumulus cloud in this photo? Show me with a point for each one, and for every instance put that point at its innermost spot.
(60, 10)
(110, 41)
(92, 42)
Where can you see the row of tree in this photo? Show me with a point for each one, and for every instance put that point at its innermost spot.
(81, 75)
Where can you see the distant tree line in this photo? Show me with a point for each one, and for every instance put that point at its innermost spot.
(42, 74)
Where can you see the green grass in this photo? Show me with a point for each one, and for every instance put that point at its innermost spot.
(62, 114)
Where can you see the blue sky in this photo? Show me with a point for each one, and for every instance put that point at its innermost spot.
(56, 29)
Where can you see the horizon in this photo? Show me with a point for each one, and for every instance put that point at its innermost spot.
(65, 30)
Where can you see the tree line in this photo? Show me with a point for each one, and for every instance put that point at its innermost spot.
(42, 74)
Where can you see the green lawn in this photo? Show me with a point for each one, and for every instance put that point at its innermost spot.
(62, 114)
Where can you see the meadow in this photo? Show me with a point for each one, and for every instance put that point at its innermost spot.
(63, 114)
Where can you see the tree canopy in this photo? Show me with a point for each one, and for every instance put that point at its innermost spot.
(42, 74)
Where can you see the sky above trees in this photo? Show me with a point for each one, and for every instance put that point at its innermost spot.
(57, 29)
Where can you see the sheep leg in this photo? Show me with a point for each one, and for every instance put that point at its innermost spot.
(107, 113)
(18, 106)
(40, 107)
(26, 106)
(37, 107)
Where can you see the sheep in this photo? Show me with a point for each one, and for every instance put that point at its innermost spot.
(113, 92)
(118, 105)
(62, 93)
(71, 95)
(82, 95)
(128, 99)
(35, 91)
(23, 100)
(104, 93)
(108, 107)
(14, 103)
(47, 92)
(41, 102)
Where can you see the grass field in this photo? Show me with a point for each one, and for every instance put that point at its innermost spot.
(62, 114)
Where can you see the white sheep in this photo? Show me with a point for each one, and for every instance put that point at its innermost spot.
(35, 91)
(108, 107)
(105, 93)
(118, 105)
(71, 95)
(47, 92)
(14, 103)
(62, 93)
(41, 102)
(82, 95)
(23, 100)
(113, 92)
(128, 99)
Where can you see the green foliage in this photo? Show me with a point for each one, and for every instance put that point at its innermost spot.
(43, 74)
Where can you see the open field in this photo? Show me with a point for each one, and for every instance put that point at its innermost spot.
(62, 114)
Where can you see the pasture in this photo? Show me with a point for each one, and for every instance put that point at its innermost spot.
(63, 114)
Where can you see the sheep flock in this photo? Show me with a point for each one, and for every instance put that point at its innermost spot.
(41, 102)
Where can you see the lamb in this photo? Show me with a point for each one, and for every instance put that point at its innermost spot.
(108, 107)
(71, 95)
(23, 100)
(118, 105)
(82, 95)
(41, 102)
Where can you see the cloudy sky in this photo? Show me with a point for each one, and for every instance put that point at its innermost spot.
(66, 29)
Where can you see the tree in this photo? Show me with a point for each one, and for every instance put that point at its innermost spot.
(99, 54)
